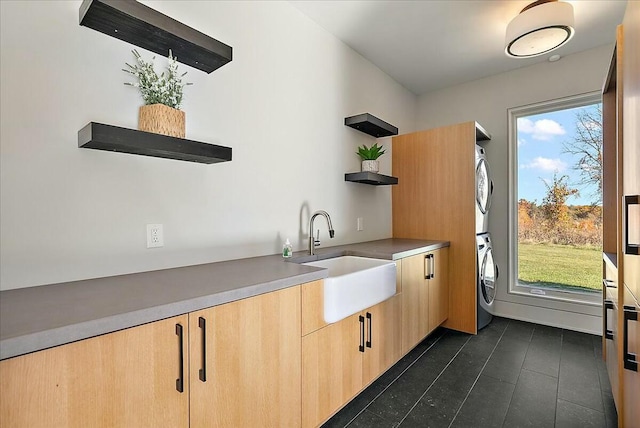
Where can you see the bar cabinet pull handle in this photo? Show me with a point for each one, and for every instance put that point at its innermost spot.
(361, 320)
(630, 359)
(180, 380)
(427, 266)
(632, 248)
(433, 266)
(608, 334)
(370, 333)
(202, 373)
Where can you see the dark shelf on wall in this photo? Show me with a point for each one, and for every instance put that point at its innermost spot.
(114, 138)
(371, 178)
(147, 28)
(481, 133)
(369, 124)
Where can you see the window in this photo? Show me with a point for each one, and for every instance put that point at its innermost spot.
(556, 199)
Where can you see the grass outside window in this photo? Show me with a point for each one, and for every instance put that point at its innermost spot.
(561, 267)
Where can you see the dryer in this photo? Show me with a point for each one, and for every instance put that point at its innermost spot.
(484, 190)
(487, 277)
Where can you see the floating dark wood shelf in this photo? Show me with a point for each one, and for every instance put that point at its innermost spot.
(113, 138)
(147, 28)
(370, 178)
(481, 133)
(369, 124)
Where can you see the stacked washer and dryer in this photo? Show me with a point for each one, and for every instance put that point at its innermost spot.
(487, 269)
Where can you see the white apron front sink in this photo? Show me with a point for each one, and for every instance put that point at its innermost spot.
(354, 284)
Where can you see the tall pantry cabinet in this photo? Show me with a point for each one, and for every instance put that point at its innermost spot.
(434, 199)
(621, 219)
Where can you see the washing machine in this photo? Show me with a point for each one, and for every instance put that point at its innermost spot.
(487, 277)
(484, 190)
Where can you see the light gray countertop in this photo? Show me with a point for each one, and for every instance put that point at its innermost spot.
(36, 318)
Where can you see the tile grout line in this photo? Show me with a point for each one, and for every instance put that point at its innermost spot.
(519, 374)
(581, 405)
(434, 381)
(569, 401)
(393, 381)
(599, 386)
(595, 357)
(477, 377)
(555, 419)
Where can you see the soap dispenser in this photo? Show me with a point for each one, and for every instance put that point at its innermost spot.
(287, 249)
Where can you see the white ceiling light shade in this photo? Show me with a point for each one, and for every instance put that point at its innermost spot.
(539, 28)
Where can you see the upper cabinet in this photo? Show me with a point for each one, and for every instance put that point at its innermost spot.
(147, 28)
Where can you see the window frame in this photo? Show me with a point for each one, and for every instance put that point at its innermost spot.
(513, 114)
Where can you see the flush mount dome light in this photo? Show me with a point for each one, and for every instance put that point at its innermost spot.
(539, 28)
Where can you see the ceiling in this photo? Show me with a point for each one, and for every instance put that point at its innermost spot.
(428, 45)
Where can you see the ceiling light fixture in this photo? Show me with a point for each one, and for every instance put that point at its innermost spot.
(540, 27)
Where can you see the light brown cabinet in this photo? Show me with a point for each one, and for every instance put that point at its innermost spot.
(629, 268)
(383, 338)
(434, 199)
(621, 219)
(425, 295)
(129, 378)
(245, 360)
(237, 364)
(268, 360)
(340, 359)
(611, 336)
(439, 288)
(331, 369)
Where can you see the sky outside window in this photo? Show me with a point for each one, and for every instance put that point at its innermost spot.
(540, 154)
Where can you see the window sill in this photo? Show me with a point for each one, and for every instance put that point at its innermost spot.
(574, 297)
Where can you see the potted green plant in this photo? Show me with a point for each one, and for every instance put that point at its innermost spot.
(162, 96)
(369, 156)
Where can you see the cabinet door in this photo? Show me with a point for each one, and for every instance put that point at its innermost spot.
(251, 362)
(439, 289)
(631, 372)
(383, 338)
(631, 139)
(122, 379)
(611, 346)
(415, 301)
(331, 368)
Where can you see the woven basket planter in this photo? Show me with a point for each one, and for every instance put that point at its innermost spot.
(161, 119)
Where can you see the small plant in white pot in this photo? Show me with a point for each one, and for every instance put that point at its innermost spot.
(369, 156)
(162, 95)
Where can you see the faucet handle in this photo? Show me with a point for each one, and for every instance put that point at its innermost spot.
(316, 241)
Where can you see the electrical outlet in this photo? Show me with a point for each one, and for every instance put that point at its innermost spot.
(155, 237)
(360, 224)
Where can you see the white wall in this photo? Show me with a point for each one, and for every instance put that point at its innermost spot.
(487, 101)
(70, 213)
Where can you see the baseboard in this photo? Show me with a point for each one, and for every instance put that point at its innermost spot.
(552, 317)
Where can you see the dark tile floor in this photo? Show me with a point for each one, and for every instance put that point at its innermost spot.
(512, 374)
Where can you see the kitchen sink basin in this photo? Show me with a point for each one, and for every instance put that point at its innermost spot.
(354, 284)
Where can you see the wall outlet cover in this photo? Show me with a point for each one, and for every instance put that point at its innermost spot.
(155, 236)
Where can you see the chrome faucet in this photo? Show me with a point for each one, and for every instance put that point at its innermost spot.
(315, 242)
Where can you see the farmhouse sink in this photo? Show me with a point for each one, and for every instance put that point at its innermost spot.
(354, 284)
